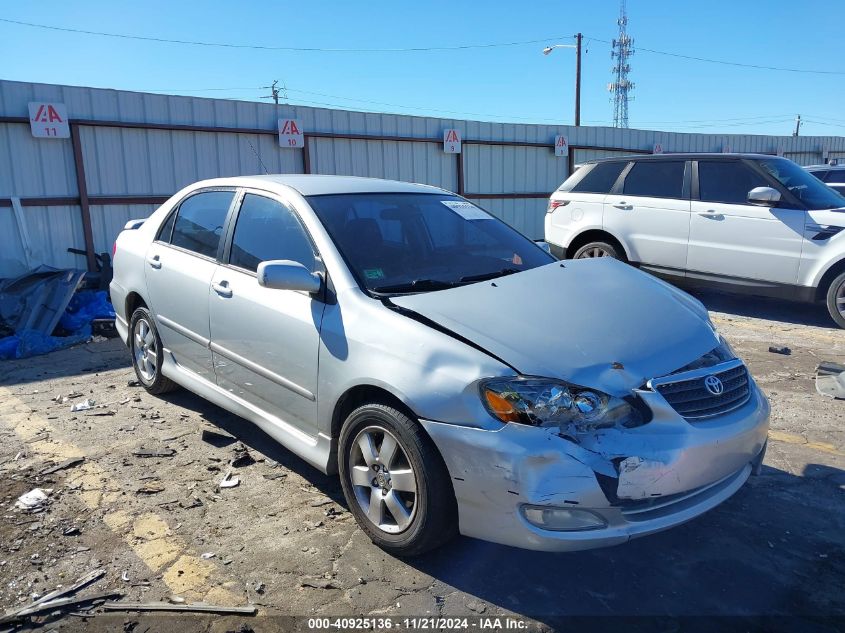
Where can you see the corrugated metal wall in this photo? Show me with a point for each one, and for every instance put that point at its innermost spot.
(503, 165)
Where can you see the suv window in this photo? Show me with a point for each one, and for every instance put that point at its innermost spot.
(267, 230)
(600, 178)
(656, 179)
(199, 222)
(835, 175)
(727, 181)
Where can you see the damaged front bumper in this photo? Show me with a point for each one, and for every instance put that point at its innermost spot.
(637, 481)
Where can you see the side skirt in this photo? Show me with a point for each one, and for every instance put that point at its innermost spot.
(736, 285)
(313, 450)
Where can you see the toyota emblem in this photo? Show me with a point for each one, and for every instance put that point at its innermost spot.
(714, 385)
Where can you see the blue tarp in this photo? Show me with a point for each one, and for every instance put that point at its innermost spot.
(84, 307)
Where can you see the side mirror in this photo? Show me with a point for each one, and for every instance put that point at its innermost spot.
(764, 196)
(283, 274)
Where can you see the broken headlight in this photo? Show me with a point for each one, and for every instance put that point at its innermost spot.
(547, 402)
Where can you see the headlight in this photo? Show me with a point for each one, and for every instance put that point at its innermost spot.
(547, 402)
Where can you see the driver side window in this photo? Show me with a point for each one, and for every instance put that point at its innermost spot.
(199, 222)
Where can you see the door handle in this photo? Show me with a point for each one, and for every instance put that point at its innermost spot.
(709, 213)
(154, 261)
(222, 289)
(623, 205)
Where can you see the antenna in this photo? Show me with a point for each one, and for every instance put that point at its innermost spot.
(623, 48)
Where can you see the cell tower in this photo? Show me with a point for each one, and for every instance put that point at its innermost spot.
(623, 48)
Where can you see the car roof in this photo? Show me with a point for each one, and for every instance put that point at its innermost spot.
(825, 167)
(681, 156)
(317, 185)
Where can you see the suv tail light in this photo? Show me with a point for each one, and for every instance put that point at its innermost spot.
(555, 204)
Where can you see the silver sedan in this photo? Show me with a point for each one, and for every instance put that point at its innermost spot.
(455, 375)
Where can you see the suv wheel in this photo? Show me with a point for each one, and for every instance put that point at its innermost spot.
(598, 249)
(145, 345)
(395, 482)
(836, 300)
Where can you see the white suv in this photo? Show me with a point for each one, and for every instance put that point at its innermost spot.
(743, 222)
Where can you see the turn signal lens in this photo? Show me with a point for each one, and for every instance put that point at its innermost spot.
(500, 407)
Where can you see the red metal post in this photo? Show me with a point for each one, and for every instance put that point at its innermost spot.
(84, 205)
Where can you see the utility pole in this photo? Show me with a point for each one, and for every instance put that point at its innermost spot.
(797, 125)
(274, 91)
(578, 38)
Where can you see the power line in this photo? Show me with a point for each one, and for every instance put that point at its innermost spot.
(299, 49)
(730, 63)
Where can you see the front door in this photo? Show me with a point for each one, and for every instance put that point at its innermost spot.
(652, 212)
(731, 238)
(265, 342)
(179, 267)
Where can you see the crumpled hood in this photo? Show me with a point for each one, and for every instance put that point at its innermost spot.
(578, 321)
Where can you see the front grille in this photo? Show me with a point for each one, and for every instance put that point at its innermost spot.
(691, 399)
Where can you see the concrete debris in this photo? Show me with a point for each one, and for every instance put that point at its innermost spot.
(318, 583)
(207, 555)
(150, 489)
(51, 600)
(68, 463)
(33, 500)
(830, 380)
(143, 452)
(83, 406)
(229, 481)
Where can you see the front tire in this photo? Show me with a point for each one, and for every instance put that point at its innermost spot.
(395, 481)
(836, 300)
(147, 353)
(598, 249)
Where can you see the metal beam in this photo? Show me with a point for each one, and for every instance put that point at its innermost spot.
(82, 187)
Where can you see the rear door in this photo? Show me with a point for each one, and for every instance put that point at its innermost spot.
(265, 342)
(179, 267)
(651, 212)
(731, 238)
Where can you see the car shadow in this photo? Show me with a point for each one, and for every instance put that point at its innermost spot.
(773, 548)
(798, 313)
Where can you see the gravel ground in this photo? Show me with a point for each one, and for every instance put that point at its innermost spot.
(145, 506)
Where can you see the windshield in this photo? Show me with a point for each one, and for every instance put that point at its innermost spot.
(397, 243)
(803, 185)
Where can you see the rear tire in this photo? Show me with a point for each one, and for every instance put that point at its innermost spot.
(836, 300)
(599, 249)
(147, 353)
(395, 482)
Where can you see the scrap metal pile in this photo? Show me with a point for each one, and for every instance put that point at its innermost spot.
(49, 309)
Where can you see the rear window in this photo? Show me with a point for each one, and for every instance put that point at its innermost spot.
(600, 179)
(834, 175)
(656, 179)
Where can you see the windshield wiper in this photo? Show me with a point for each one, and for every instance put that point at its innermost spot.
(490, 275)
(417, 285)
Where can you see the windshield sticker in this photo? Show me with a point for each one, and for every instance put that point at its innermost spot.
(466, 210)
(373, 273)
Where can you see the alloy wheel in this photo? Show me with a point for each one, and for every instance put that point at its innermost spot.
(596, 251)
(839, 299)
(383, 480)
(145, 350)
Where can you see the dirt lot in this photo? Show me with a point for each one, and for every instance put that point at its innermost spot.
(283, 539)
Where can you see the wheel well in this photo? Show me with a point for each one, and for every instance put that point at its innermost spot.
(351, 400)
(828, 277)
(593, 235)
(133, 302)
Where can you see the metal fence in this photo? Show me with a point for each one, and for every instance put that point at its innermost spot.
(128, 152)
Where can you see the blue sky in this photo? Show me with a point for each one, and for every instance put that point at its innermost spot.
(513, 83)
